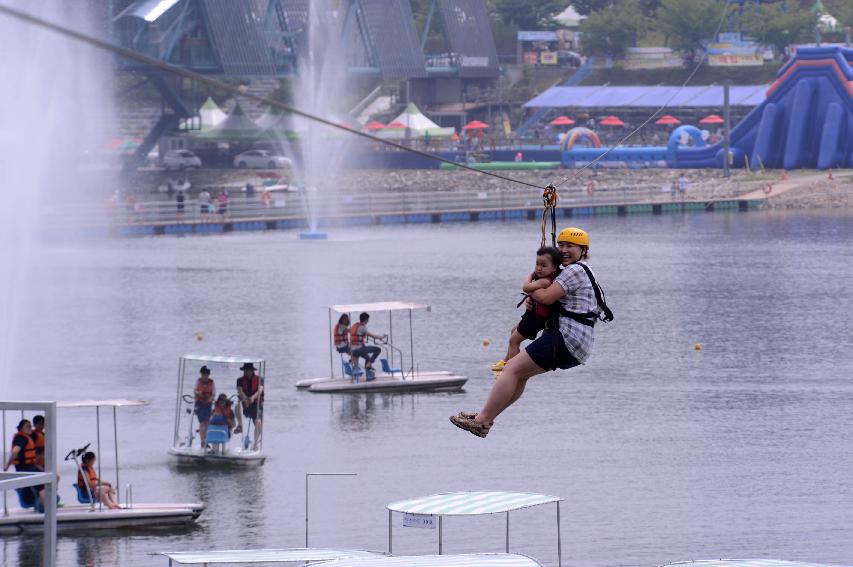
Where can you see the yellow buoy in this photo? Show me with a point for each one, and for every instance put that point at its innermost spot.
(199, 337)
(697, 347)
(486, 342)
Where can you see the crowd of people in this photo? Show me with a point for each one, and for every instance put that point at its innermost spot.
(211, 409)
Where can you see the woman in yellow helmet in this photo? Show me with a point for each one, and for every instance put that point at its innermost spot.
(565, 344)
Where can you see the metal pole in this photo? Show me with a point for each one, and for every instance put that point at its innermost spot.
(390, 542)
(726, 117)
(331, 356)
(439, 531)
(412, 348)
(100, 456)
(507, 532)
(51, 489)
(115, 437)
(391, 335)
(306, 495)
(178, 402)
(559, 541)
(5, 505)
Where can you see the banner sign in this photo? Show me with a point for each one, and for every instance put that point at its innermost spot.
(537, 36)
(419, 521)
(735, 60)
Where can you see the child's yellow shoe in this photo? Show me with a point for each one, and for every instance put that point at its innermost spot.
(498, 366)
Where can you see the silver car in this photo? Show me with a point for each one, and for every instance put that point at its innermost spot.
(260, 159)
(181, 159)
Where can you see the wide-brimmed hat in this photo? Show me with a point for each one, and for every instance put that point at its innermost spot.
(204, 370)
(248, 366)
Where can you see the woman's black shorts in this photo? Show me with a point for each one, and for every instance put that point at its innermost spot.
(549, 352)
(530, 324)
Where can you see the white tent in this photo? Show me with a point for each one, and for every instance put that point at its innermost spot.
(417, 126)
(209, 115)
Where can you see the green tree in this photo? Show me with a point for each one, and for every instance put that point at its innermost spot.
(527, 14)
(842, 10)
(612, 31)
(689, 24)
(779, 25)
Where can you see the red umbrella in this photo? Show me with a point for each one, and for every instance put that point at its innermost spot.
(611, 121)
(562, 121)
(711, 119)
(374, 125)
(396, 125)
(668, 120)
(475, 125)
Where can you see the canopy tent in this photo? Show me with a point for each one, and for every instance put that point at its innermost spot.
(374, 125)
(236, 126)
(209, 115)
(295, 555)
(646, 97)
(461, 560)
(423, 510)
(379, 306)
(562, 121)
(746, 563)
(415, 124)
(611, 121)
(712, 119)
(667, 120)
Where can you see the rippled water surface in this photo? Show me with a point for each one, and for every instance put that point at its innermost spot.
(660, 453)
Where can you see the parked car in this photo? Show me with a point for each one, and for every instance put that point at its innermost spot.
(260, 159)
(181, 159)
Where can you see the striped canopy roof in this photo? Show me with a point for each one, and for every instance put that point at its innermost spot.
(224, 359)
(462, 560)
(745, 563)
(298, 555)
(471, 503)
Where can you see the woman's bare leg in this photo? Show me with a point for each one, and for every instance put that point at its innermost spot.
(508, 387)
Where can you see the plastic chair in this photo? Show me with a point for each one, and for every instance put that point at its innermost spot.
(352, 372)
(27, 497)
(386, 368)
(82, 494)
(217, 434)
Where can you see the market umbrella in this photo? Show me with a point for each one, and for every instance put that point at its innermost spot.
(711, 119)
(475, 125)
(374, 125)
(668, 120)
(611, 121)
(396, 125)
(562, 121)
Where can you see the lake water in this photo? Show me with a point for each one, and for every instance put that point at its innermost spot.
(660, 453)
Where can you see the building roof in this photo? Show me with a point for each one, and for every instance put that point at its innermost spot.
(469, 32)
(647, 96)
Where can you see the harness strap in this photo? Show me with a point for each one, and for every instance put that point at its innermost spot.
(549, 201)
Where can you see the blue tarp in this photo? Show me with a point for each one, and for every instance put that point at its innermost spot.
(651, 97)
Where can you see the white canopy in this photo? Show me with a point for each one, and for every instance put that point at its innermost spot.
(223, 359)
(296, 555)
(413, 118)
(746, 563)
(116, 403)
(470, 503)
(210, 114)
(416, 125)
(461, 560)
(380, 306)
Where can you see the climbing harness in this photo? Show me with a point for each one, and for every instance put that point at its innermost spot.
(590, 317)
(549, 201)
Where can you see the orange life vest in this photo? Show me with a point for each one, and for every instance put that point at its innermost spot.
(357, 340)
(223, 411)
(204, 392)
(93, 478)
(38, 438)
(27, 456)
(340, 335)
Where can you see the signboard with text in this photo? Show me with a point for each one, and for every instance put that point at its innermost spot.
(419, 521)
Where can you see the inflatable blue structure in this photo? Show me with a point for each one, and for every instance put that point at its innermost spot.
(806, 121)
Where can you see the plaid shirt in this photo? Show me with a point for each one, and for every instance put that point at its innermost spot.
(579, 298)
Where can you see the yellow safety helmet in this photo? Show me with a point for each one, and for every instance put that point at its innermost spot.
(574, 235)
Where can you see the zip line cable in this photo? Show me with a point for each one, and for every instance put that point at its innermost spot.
(656, 112)
(235, 91)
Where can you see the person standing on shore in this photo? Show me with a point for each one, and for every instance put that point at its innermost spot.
(565, 343)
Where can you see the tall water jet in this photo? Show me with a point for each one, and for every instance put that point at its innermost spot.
(55, 102)
(321, 88)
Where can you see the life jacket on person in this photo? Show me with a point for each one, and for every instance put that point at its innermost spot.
(589, 318)
(93, 478)
(204, 392)
(223, 411)
(27, 456)
(357, 338)
(38, 438)
(340, 335)
(250, 386)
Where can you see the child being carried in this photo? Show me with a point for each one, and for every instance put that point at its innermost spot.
(534, 320)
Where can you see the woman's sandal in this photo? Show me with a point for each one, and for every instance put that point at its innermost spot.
(470, 425)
